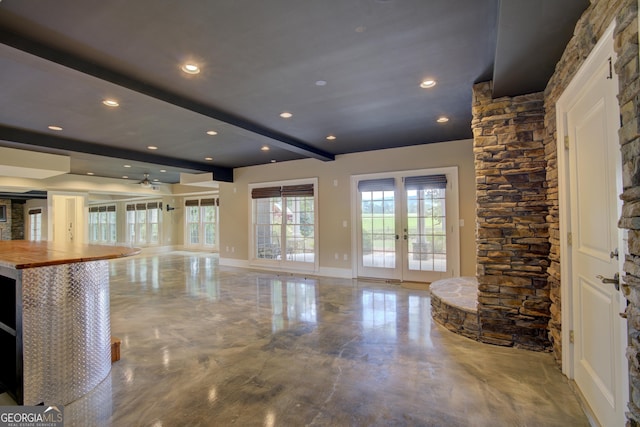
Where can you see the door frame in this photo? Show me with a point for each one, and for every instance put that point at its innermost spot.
(452, 209)
(56, 212)
(603, 51)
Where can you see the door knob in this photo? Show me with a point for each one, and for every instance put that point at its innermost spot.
(615, 281)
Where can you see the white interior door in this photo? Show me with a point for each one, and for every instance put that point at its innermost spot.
(408, 225)
(595, 183)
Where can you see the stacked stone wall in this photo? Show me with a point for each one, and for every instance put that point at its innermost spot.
(458, 320)
(17, 220)
(511, 229)
(5, 225)
(627, 67)
(589, 29)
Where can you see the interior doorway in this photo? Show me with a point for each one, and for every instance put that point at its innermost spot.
(67, 217)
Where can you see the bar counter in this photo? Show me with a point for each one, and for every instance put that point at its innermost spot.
(55, 330)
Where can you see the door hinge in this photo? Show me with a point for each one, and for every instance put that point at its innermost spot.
(572, 337)
(610, 76)
(569, 238)
(566, 142)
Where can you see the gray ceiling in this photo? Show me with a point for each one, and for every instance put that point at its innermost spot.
(59, 60)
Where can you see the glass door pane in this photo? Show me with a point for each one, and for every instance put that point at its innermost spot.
(300, 229)
(378, 245)
(427, 242)
(193, 224)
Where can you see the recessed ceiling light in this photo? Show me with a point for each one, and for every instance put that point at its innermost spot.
(152, 147)
(163, 170)
(426, 84)
(208, 158)
(52, 127)
(190, 68)
(286, 115)
(212, 132)
(321, 83)
(442, 119)
(125, 177)
(265, 148)
(90, 173)
(331, 137)
(111, 103)
(127, 166)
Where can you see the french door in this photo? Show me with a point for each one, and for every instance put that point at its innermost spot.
(407, 225)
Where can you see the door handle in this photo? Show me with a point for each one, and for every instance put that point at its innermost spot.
(615, 281)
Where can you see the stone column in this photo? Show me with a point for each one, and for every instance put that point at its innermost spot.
(628, 69)
(511, 229)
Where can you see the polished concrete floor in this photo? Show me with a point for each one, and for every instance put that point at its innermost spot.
(204, 345)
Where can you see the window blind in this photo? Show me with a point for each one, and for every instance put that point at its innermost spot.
(425, 182)
(383, 184)
(207, 202)
(297, 190)
(265, 192)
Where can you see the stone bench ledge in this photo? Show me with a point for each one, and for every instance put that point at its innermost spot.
(459, 292)
(454, 305)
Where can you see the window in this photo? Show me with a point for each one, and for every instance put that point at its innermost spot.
(201, 222)
(102, 224)
(35, 224)
(284, 223)
(144, 223)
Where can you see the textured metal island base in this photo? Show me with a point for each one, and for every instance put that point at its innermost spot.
(55, 332)
(65, 330)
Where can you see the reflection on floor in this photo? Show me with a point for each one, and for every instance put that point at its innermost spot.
(206, 345)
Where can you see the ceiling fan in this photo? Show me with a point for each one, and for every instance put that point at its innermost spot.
(145, 183)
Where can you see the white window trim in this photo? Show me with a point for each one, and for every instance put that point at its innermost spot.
(102, 242)
(202, 245)
(29, 228)
(147, 223)
(283, 265)
(453, 209)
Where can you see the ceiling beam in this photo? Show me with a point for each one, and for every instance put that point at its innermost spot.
(102, 72)
(29, 195)
(67, 144)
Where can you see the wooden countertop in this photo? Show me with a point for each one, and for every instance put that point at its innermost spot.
(20, 254)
